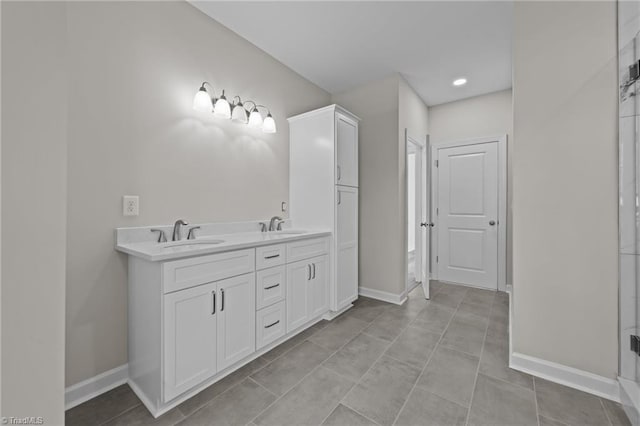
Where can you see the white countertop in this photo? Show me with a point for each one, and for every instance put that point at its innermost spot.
(154, 251)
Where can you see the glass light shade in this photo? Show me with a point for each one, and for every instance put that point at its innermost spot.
(255, 118)
(239, 114)
(269, 124)
(222, 108)
(202, 101)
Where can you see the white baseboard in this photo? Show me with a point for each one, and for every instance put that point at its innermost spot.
(94, 386)
(559, 373)
(630, 399)
(567, 376)
(397, 299)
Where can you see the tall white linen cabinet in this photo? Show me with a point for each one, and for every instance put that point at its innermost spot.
(324, 190)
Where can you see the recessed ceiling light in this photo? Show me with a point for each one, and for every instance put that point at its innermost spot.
(460, 82)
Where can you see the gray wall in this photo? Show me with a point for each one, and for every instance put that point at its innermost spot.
(565, 263)
(134, 69)
(485, 115)
(385, 106)
(34, 189)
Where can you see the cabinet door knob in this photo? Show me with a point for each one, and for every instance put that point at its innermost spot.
(213, 302)
(222, 295)
(309, 277)
(314, 271)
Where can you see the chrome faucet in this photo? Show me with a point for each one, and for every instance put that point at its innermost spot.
(276, 223)
(177, 229)
(191, 235)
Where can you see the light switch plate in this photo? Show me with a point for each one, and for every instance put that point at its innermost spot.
(130, 205)
(284, 206)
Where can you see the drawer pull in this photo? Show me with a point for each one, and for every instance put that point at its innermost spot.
(273, 256)
(271, 325)
(272, 286)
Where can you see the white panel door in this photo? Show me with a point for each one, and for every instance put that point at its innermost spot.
(318, 302)
(298, 277)
(346, 151)
(236, 319)
(467, 217)
(189, 338)
(346, 241)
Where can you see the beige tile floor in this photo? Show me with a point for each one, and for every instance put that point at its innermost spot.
(438, 362)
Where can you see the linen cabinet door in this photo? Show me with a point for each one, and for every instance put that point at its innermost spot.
(346, 151)
(346, 246)
(190, 338)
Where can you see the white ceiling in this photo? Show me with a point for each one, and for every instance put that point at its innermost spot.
(340, 45)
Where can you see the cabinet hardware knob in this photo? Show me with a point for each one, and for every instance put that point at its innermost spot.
(273, 256)
(272, 286)
(213, 302)
(222, 295)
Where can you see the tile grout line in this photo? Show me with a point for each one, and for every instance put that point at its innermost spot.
(261, 385)
(606, 413)
(122, 413)
(428, 360)
(245, 378)
(306, 375)
(342, 401)
(473, 390)
(535, 398)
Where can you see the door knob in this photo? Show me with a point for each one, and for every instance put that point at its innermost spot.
(492, 222)
(423, 224)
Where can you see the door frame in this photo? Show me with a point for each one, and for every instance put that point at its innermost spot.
(422, 142)
(502, 201)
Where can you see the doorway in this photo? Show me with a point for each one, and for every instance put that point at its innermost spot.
(469, 212)
(417, 212)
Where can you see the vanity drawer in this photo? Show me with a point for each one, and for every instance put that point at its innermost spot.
(270, 324)
(305, 249)
(270, 286)
(269, 256)
(198, 270)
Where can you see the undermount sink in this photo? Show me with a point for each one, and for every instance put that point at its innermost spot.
(193, 243)
(289, 232)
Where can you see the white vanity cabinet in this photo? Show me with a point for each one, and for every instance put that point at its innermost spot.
(193, 320)
(190, 338)
(207, 328)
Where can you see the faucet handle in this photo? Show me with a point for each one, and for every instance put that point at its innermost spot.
(162, 237)
(263, 227)
(191, 235)
(279, 227)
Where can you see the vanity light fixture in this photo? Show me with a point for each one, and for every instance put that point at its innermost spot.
(460, 81)
(202, 101)
(269, 125)
(222, 107)
(235, 111)
(238, 113)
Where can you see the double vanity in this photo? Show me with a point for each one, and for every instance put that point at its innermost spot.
(201, 308)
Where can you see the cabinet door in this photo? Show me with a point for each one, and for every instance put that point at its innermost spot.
(236, 319)
(298, 277)
(189, 338)
(318, 301)
(346, 151)
(346, 242)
